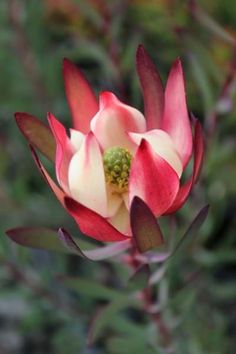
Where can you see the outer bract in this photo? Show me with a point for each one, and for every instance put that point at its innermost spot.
(114, 154)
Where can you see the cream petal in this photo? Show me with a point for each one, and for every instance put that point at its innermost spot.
(114, 201)
(162, 144)
(86, 176)
(121, 220)
(125, 197)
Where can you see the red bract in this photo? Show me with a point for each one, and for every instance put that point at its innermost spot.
(114, 156)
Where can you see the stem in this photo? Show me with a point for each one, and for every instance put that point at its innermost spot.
(148, 304)
(162, 329)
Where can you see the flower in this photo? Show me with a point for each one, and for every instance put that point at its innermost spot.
(115, 153)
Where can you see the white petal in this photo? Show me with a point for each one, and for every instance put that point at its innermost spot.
(163, 145)
(114, 119)
(86, 176)
(76, 138)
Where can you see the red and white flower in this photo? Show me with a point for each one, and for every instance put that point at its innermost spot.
(114, 152)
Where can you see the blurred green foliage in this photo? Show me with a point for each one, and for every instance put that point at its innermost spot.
(197, 297)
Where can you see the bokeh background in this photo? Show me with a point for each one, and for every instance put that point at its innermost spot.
(38, 313)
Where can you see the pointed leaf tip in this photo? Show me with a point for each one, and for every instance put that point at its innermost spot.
(80, 96)
(152, 88)
(37, 134)
(139, 280)
(192, 229)
(92, 254)
(37, 237)
(145, 228)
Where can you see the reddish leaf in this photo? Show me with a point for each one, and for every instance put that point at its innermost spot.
(145, 228)
(96, 254)
(152, 88)
(37, 133)
(37, 237)
(80, 96)
(54, 187)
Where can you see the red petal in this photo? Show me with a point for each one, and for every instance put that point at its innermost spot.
(176, 120)
(37, 133)
(64, 151)
(152, 179)
(58, 192)
(198, 156)
(152, 88)
(80, 96)
(93, 224)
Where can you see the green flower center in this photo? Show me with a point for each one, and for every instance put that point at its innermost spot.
(116, 162)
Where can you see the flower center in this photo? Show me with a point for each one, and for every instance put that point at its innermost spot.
(116, 162)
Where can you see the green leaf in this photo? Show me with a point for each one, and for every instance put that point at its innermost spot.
(90, 288)
(127, 345)
(145, 228)
(212, 25)
(139, 280)
(107, 315)
(37, 133)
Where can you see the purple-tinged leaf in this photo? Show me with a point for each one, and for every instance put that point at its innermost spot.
(70, 243)
(152, 88)
(145, 229)
(62, 241)
(96, 254)
(37, 133)
(34, 237)
(192, 229)
(152, 257)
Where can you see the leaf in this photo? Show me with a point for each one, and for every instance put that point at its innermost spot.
(202, 81)
(210, 23)
(139, 280)
(37, 133)
(69, 243)
(90, 288)
(40, 237)
(152, 88)
(62, 241)
(192, 229)
(225, 291)
(127, 345)
(216, 258)
(105, 316)
(145, 228)
(96, 254)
